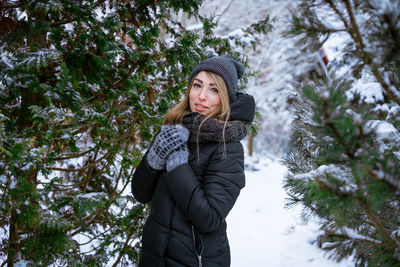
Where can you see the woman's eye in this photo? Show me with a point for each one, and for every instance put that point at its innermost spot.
(197, 85)
(214, 90)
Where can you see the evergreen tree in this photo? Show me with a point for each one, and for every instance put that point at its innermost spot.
(345, 159)
(83, 86)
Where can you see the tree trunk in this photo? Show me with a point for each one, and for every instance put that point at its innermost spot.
(12, 239)
(250, 144)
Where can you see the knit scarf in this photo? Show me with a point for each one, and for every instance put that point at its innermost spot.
(212, 130)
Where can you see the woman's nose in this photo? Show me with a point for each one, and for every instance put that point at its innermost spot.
(203, 94)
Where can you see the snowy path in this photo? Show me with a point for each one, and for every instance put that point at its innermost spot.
(262, 233)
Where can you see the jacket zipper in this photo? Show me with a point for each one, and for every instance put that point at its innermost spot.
(195, 248)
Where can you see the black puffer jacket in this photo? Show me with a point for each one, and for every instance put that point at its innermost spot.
(189, 204)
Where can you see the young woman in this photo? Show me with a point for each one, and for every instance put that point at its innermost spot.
(193, 171)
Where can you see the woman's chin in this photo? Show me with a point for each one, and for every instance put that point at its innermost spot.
(203, 112)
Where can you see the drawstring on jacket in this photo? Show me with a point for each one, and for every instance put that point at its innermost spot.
(195, 247)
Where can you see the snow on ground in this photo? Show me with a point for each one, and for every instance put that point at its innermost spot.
(262, 232)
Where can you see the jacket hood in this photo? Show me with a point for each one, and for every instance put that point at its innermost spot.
(243, 108)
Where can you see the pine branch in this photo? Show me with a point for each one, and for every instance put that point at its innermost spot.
(80, 169)
(118, 179)
(72, 19)
(62, 22)
(334, 189)
(89, 175)
(93, 216)
(123, 249)
(325, 31)
(345, 236)
(374, 219)
(392, 184)
(10, 6)
(335, 131)
(172, 30)
(5, 151)
(366, 56)
(70, 155)
(341, 16)
(5, 214)
(104, 232)
(358, 38)
(376, 222)
(296, 201)
(80, 184)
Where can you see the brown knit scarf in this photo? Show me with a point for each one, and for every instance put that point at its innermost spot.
(212, 130)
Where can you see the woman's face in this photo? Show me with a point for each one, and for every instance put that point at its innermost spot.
(204, 96)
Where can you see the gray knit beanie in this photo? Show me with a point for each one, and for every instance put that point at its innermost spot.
(228, 67)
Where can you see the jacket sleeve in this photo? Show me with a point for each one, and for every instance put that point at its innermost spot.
(144, 181)
(207, 204)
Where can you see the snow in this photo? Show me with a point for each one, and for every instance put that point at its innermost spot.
(13, 183)
(3, 179)
(370, 92)
(262, 233)
(387, 134)
(383, 129)
(5, 57)
(92, 196)
(354, 235)
(22, 263)
(27, 166)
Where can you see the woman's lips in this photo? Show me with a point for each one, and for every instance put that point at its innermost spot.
(199, 107)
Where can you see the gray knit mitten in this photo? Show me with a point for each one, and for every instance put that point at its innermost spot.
(177, 157)
(170, 138)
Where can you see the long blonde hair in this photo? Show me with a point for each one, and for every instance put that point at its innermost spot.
(222, 113)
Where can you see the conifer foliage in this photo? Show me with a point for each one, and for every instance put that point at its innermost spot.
(345, 160)
(83, 87)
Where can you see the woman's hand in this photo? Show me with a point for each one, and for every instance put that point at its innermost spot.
(178, 157)
(171, 138)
